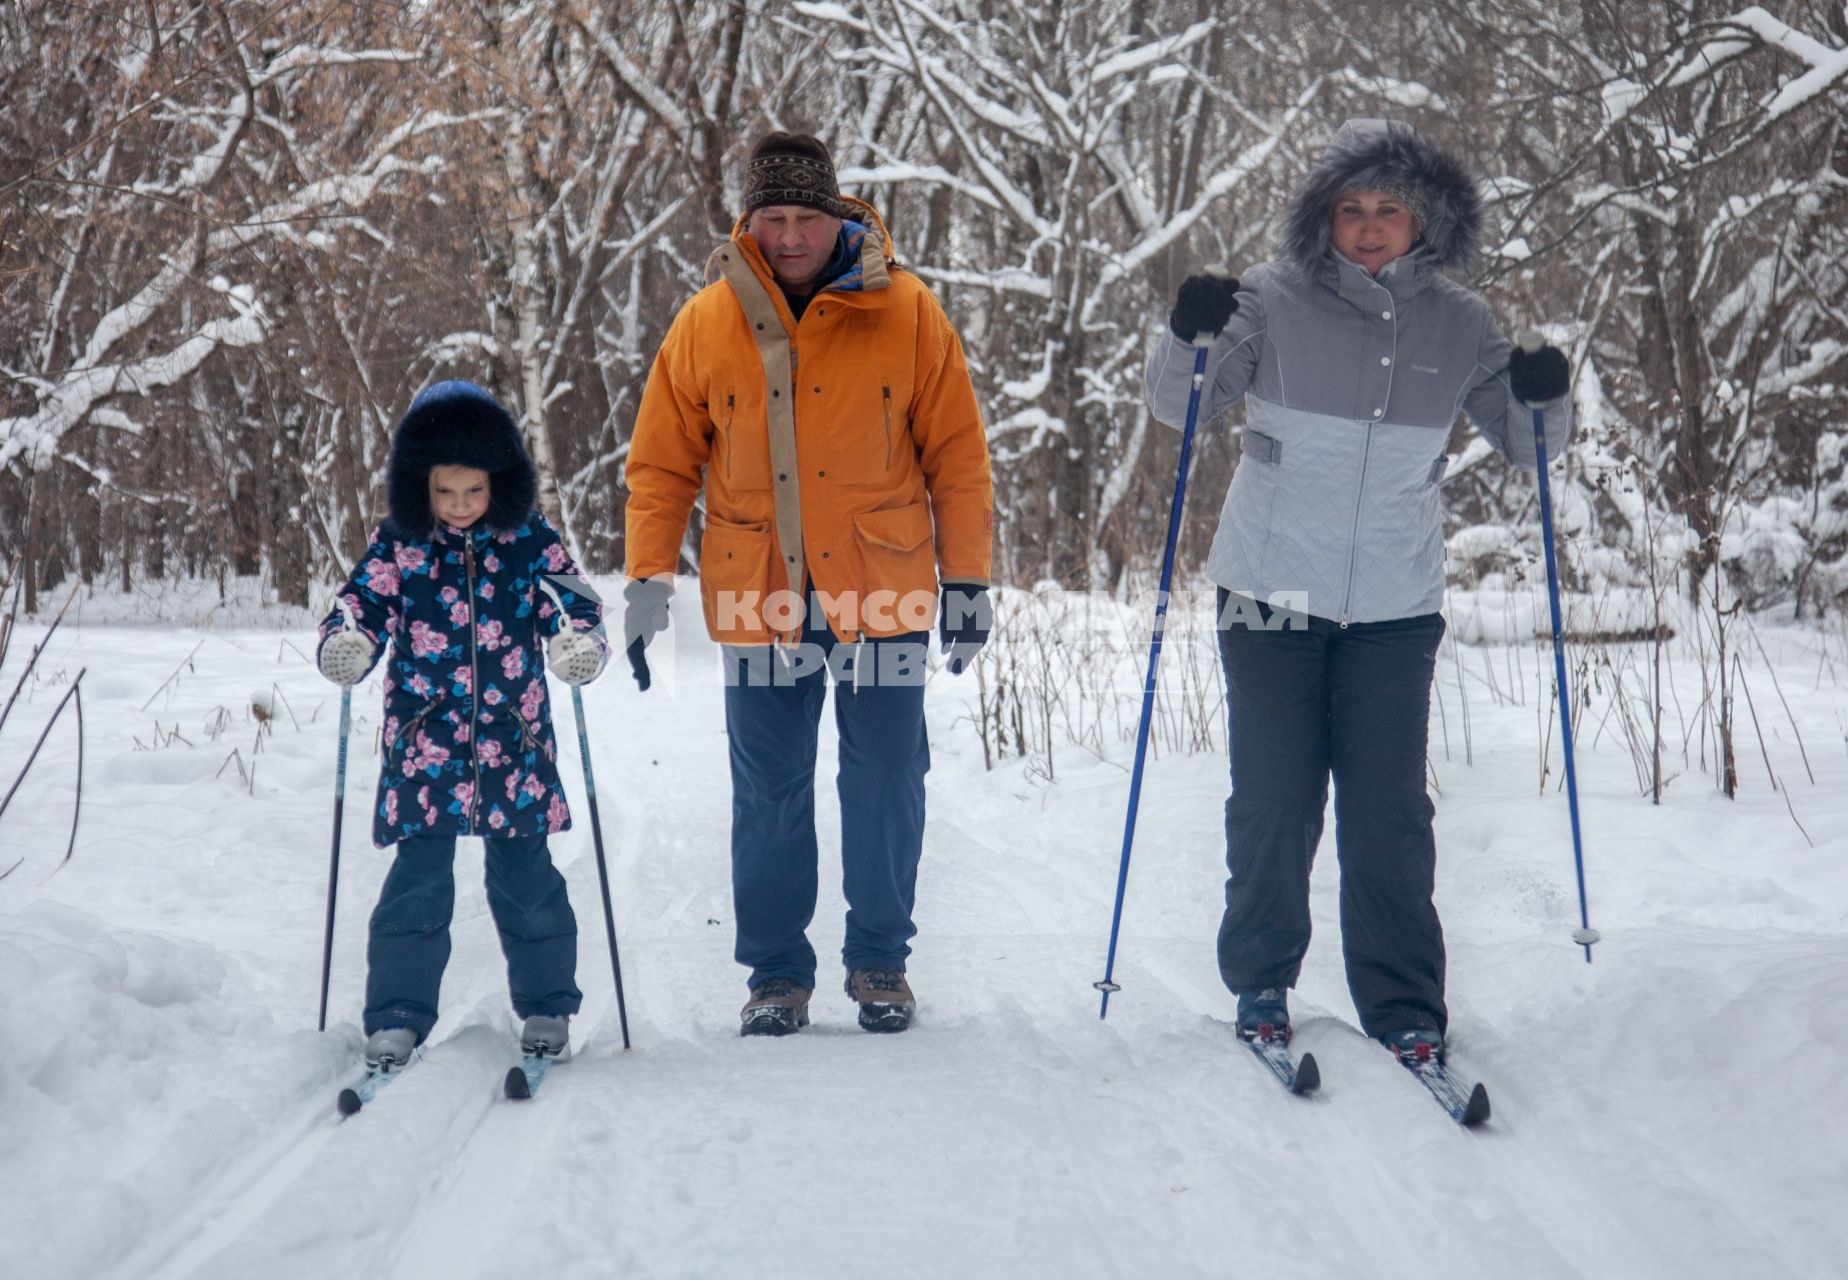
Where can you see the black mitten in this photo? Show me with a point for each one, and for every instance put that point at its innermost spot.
(1203, 306)
(1537, 377)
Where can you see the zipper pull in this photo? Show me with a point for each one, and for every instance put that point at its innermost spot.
(1344, 619)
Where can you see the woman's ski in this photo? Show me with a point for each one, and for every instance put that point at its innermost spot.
(1297, 1075)
(1468, 1104)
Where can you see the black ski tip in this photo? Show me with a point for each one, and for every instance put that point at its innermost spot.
(1477, 1109)
(1309, 1076)
(516, 1087)
(347, 1103)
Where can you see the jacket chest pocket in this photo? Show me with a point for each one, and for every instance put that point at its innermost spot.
(742, 433)
(863, 413)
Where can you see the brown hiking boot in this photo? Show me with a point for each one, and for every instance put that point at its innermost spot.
(777, 1007)
(884, 997)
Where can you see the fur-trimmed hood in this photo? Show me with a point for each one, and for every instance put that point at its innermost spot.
(1374, 154)
(457, 424)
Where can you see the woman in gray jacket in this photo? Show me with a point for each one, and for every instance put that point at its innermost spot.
(1354, 352)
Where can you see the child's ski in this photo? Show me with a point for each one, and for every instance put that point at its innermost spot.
(524, 1080)
(357, 1095)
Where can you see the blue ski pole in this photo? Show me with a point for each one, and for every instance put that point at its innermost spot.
(1148, 687)
(333, 866)
(596, 825)
(1584, 935)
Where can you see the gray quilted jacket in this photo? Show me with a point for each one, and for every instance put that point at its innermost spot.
(1351, 386)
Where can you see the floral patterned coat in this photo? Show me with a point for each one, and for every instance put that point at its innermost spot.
(464, 612)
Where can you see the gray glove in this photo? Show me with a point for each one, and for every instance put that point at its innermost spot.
(575, 657)
(644, 616)
(345, 657)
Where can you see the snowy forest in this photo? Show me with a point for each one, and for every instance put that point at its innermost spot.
(237, 236)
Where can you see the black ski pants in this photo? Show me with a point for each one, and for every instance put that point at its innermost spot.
(1309, 699)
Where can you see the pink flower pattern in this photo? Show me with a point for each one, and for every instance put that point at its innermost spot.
(382, 577)
(427, 642)
(425, 753)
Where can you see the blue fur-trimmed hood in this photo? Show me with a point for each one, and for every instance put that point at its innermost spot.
(457, 424)
(1375, 153)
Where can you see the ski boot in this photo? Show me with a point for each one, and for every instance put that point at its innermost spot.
(1415, 1044)
(390, 1048)
(1264, 1015)
(546, 1037)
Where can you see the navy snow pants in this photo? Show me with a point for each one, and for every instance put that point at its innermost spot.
(772, 714)
(1309, 701)
(408, 946)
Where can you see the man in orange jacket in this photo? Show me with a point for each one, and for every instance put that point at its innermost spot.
(820, 395)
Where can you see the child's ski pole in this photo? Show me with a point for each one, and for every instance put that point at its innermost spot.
(596, 826)
(333, 866)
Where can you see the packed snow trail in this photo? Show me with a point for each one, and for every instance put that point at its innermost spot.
(165, 1113)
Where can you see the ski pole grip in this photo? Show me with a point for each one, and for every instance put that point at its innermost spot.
(352, 624)
(1530, 341)
(1218, 271)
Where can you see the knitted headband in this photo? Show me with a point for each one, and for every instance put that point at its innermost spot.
(791, 168)
(1404, 192)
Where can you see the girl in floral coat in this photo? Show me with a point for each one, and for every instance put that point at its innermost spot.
(451, 580)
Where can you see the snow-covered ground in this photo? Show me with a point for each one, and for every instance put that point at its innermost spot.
(1677, 1109)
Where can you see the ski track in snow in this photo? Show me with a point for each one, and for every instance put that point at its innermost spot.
(190, 1132)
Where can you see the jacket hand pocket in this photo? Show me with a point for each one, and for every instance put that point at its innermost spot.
(1262, 448)
(900, 568)
(734, 573)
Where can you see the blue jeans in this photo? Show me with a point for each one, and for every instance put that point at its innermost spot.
(408, 946)
(772, 713)
(1308, 703)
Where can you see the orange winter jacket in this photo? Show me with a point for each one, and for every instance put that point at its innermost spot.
(860, 463)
